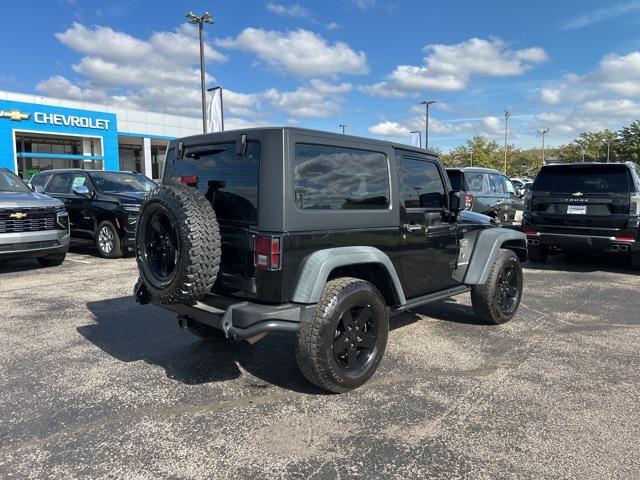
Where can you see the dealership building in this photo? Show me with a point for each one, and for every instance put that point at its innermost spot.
(40, 133)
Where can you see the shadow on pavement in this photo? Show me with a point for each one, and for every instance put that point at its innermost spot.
(130, 332)
(19, 265)
(585, 263)
(450, 311)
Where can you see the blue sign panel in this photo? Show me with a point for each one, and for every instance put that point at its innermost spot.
(16, 117)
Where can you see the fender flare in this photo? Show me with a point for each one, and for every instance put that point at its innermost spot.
(485, 251)
(319, 264)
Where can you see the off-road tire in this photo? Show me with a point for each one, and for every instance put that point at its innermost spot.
(199, 246)
(116, 251)
(484, 298)
(52, 260)
(315, 339)
(538, 254)
(635, 261)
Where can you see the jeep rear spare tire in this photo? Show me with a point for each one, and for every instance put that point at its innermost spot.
(178, 245)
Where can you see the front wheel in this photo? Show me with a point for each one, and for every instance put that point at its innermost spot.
(498, 299)
(341, 346)
(108, 240)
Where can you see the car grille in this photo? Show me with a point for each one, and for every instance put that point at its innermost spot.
(17, 247)
(37, 220)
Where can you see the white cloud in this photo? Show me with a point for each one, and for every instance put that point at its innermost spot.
(300, 52)
(389, 129)
(364, 4)
(58, 86)
(451, 67)
(550, 95)
(332, 26)
(316, 100)
(601, 14)
(294, 10)
(613, 108)
(494, 124)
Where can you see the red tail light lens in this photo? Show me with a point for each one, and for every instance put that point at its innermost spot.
(268, 253)
(468, 201)
(624, 239)
(189, 180)
(531, 233)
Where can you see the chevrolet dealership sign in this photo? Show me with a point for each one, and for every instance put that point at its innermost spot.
(71, 120)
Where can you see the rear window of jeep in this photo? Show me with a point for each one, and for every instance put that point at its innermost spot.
(228, 180)
(336, 178)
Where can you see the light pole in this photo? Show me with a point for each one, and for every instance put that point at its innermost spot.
(471, 157)
(426, 103)
(506, 130)
(543, 132)
(200, 21)
(343, 126)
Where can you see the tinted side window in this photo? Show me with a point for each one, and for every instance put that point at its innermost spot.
(477, 182)
(40, 180)
(335, 178)
(60, 183)
(455, 178)
(420, 184)
(495, 183)
(508, 185)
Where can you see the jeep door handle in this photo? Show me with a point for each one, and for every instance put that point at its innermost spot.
(408, 227)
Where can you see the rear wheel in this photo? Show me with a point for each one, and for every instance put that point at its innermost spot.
(52, 260)
(635, 261)
(498, 299)
(340, 348)
(178, 245)
(538, 254)
(108, 240)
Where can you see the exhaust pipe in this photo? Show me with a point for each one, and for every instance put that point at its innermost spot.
(533, 241)
(624, 248)
(615, 248)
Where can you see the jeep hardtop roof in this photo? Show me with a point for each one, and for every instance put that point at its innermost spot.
(208, 137)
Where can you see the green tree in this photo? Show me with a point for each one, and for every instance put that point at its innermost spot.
(628, 144)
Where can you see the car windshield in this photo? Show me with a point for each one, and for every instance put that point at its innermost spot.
(584, 179)
(118, 182)
(9, 182)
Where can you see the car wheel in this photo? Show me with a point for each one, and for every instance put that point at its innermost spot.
(341, 346)
(635, 261)
(52, 260)
(538, 254)
(498, 299)
(108, 240)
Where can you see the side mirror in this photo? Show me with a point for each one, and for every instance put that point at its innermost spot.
(455, 202)
(38, 188)
(81, 190)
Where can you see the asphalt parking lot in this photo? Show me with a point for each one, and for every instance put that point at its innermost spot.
(92, 385)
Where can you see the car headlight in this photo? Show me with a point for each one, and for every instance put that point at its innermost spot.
(62, 219)
(131, 208)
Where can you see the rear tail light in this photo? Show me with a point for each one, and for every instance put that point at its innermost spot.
(189, 180)
(268, 252)
(468, 201)
(635, 203)
(531, 233)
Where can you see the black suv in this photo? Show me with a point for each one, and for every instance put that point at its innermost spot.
(489, 192)
(103, 206)
(317, 234)
(584, 207)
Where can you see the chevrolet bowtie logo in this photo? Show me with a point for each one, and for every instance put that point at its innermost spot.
(18, 215)
(578, 194)
(14, 115)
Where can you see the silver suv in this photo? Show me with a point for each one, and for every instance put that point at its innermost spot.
(31, 224)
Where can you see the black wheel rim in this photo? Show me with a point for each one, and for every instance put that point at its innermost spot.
(508, 289)
(355, 338)
(161, 248)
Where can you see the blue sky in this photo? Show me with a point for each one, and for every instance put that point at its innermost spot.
(569, 66)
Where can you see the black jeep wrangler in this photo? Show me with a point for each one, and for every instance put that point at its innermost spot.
(321, 235)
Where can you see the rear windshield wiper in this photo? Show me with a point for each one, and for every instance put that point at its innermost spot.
(197, 152)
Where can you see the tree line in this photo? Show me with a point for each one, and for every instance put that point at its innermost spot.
(606, 145)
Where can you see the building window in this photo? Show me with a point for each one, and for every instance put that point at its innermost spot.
(336, 178)
(158, 154)
(130, 158)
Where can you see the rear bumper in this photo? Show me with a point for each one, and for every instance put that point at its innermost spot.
(236, 318)
(33, 244)
(622, 243)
